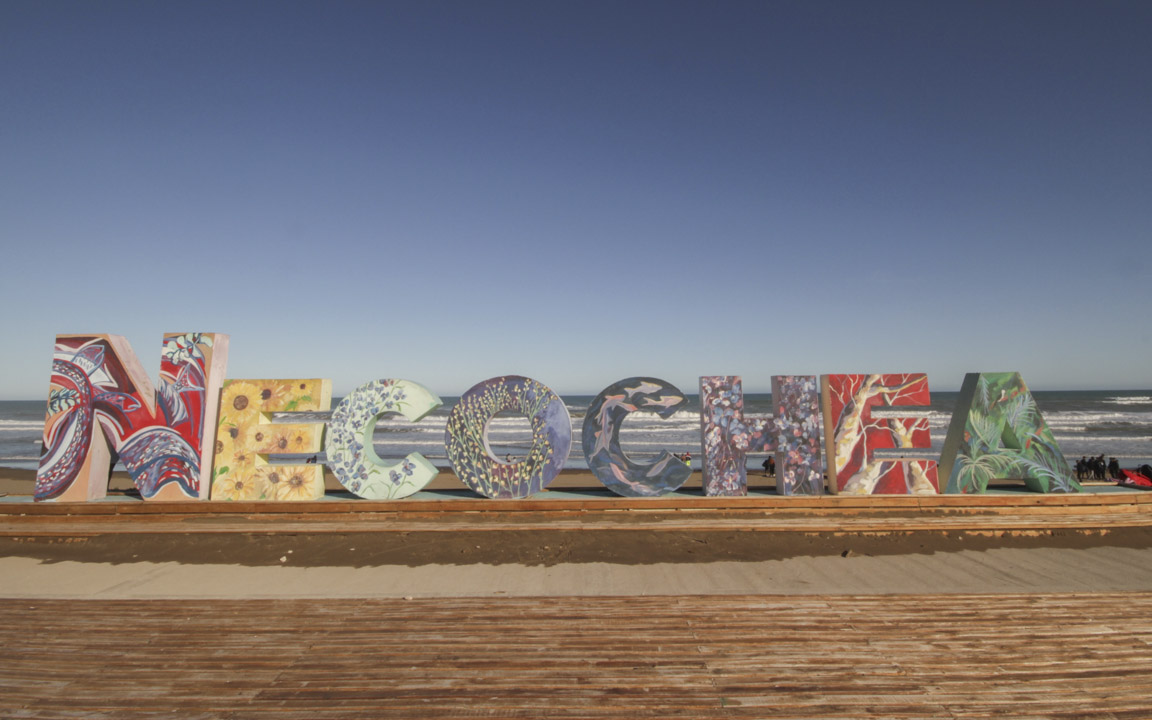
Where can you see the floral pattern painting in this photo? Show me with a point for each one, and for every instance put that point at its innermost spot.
(997, 432)
(799, 467)
(854, 434)
(349, 449)
(466, 441)
(601, 438)
(793, 433)
(246, 437)
(101, 405)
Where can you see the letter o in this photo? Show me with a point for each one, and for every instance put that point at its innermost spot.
(466, 437)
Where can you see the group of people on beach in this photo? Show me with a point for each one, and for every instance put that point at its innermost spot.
(1094, 468)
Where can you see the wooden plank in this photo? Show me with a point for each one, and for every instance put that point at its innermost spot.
(1016, 655)
(586, 500)
(1018, 520)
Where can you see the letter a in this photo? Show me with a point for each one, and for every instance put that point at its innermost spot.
(997, 432)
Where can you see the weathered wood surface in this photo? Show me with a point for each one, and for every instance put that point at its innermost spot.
(591, 499)
(1013, 513)
(965, 656)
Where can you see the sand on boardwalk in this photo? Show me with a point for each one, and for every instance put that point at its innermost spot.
(633, 541)
(628, 561)
(993, 571)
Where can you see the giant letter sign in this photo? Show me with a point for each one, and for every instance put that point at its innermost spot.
(466, 437)
(793, 433)
(101, 406)
(872, 440)
(998, 432)
(601, 438)
(246, 436)
(349, 444)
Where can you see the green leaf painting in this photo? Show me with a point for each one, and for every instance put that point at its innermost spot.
(997, 432)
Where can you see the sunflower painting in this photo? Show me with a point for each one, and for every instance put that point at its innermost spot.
(285, 439)
(246, 436)
(239, 486)
(300, 482)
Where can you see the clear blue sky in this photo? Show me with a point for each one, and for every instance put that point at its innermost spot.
(583, 191)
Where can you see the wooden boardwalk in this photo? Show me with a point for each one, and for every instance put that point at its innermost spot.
(590, 511)
(965, 656)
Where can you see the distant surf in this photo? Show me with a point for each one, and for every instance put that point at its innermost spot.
(1115, 423)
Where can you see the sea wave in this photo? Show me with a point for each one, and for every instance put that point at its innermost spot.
(1132, 400)
(1125, 429)
(1081, 419)
(1074, 440)
(21, 424)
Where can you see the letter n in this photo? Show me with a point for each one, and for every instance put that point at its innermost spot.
(102, 408)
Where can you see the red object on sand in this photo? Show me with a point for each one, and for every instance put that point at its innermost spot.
(1135, 478)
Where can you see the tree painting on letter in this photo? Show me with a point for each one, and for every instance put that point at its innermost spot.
(102, 408)
(348, 447)
(793, 433)
(601, 438)
(997, 432)
(853, 434)
(466, 437)
(246, 437)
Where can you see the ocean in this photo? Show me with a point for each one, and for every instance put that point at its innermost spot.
(1117, 423)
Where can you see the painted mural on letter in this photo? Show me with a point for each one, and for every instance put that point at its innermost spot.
(246, 436)
(102, 406)
(853, 434)
(349, 449)
(466, 441)
(793, 433)
(726, 438)
(799, 468)
(998, 432)
(601, 438)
